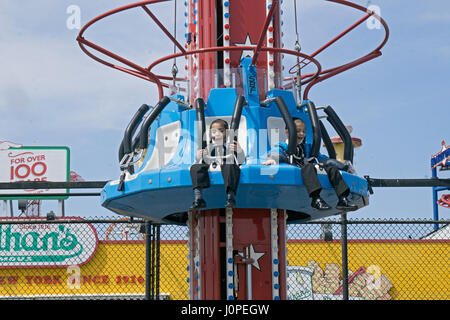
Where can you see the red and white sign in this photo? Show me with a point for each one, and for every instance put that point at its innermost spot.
(34, 164)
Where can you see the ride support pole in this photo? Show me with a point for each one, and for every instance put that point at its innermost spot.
(344, 256)
(158, 259)
(148, 262)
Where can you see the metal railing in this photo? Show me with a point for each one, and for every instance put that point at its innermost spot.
(125, 258)
(133, 259)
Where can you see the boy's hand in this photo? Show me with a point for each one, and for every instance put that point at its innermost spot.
(269, 162)
(201, 153)
(235, 147)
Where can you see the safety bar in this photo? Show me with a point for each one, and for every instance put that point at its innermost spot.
(134, 145)
(125, 162)
(121, 153)
(292, 130)
(136, 142)
(342, 131)
(201, 129)
(236, 118)
(326, 139)
(143, 134)
(126, 145)
(315, 147)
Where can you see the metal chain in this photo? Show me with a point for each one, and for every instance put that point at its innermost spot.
(297, 47)
(174, 67)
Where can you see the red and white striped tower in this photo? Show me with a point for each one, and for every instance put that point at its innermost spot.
(229, 23)
(234, 253)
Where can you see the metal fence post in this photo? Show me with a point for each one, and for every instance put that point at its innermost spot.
(153, 251)
(158, 238)
(148, 261)
(344, 256)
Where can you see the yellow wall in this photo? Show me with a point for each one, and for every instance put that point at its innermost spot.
(114, 269)
(417, 269)
(109, 262)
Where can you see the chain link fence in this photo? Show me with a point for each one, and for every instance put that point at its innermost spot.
(107, 258)
(402, 260)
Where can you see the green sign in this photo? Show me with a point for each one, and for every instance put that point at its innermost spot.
(46, 245)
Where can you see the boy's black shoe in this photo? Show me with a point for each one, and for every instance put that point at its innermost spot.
(198, 204)
(345, 205)
(319, 204)
(231, 201)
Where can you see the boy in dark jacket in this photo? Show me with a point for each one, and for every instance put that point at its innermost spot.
(309, 171)
(227, 155)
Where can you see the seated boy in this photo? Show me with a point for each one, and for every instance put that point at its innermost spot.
(309, 172)
(228, 165)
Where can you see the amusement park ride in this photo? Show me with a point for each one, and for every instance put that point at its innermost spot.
(234, 64)
(440, 160)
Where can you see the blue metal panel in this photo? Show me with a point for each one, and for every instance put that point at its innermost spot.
(283, 189)
(220, 102)
(250, 83)
(157, 194)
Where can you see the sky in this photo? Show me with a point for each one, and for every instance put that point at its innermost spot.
(52, 94)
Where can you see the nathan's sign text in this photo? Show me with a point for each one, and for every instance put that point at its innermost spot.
(46, 245)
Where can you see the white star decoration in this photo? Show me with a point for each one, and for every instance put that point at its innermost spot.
(248, 42)
(255, 256)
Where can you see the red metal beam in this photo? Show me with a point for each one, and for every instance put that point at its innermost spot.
(264, 31)
(312, 78)
(147, 10)
(332, 72)
(138, 72)
(329, 43)
(149, 77)
(361, 8)
(239, 48)
(373, 54)
(123, 8)
(112, 55)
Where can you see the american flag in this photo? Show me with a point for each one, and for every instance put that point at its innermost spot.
(75, 177)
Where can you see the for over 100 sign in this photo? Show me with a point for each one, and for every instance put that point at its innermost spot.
(34, 164)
